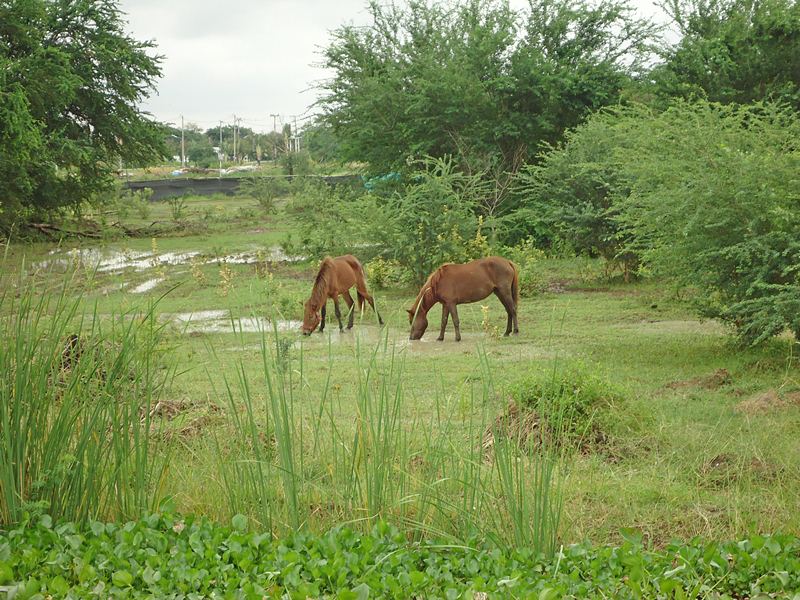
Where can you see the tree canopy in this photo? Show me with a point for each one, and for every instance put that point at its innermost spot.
(475, 79)
(71, 83)
(733, 51)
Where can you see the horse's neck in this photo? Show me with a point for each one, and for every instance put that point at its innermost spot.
(425, 303)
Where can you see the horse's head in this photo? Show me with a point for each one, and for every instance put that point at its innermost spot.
(311, 318)
(418, 322)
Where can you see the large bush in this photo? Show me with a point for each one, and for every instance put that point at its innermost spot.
(703, 193)
(569, 197)
(715, 203)
(433, 221)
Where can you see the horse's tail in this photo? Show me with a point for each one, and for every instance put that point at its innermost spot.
(515, 284)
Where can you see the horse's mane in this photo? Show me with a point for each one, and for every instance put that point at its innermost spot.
(428, 289)
(320, 290)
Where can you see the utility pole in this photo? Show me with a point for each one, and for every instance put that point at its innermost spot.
(183, 145)
(295, 135)
(234, 138)
(274, 142)
(219, 154)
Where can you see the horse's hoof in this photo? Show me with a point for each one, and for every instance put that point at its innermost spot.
(506, 334)
(441, 339)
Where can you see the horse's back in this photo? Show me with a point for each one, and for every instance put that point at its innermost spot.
(348, 272)
(500, 268)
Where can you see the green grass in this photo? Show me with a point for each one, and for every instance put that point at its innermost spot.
(682, 456)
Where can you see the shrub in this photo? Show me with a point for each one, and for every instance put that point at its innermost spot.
(265, 190)
(334, 220)
(430, 221)
(140, 200)
(715, 205)
(382, 273)
(570, 197)
(434, 220)
(527, 258)
(570, 407)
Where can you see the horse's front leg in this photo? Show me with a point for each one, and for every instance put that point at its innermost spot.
(445, 315)
(456, 322)
(322, 322)
(338, 312)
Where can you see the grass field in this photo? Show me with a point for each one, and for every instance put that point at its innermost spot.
(699, 437)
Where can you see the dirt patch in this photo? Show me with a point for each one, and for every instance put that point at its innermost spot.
(792, 397)
(725, 469)
(170, 409)
(767, 402)
(191, 429)
(711, 381)
(521, 426)
(557, 286)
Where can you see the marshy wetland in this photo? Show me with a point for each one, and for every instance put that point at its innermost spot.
(678, 431)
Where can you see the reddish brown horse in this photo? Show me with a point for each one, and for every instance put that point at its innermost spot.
(335, 278)
(453, 284)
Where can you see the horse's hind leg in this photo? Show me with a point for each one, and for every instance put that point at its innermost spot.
(348, 299)
(456, 322)
(364, 294)
(338, 312)
(508, 303)
(445, 315)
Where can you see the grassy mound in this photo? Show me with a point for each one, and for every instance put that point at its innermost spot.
(569, 408)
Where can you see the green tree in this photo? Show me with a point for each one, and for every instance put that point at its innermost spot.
(475, 80)
(733, 51)
(72, 81)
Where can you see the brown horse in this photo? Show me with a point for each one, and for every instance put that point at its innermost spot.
(335, 278)
(453, 284)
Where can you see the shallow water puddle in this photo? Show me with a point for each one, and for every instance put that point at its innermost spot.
(272, 254)
(146, 286)
(109, 261)
(220, 321)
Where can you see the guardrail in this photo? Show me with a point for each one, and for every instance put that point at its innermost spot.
(207, 186)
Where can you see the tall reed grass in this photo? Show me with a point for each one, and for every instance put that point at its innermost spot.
(314, 458)
(77, 392)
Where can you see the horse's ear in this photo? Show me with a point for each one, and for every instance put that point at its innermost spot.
(410, 312)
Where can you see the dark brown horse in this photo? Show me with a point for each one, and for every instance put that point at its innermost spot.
(453, 284)
(335, 278)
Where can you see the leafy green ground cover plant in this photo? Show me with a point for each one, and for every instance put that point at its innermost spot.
(169, 556)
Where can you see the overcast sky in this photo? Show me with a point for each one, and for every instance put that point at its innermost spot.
(246, 57)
